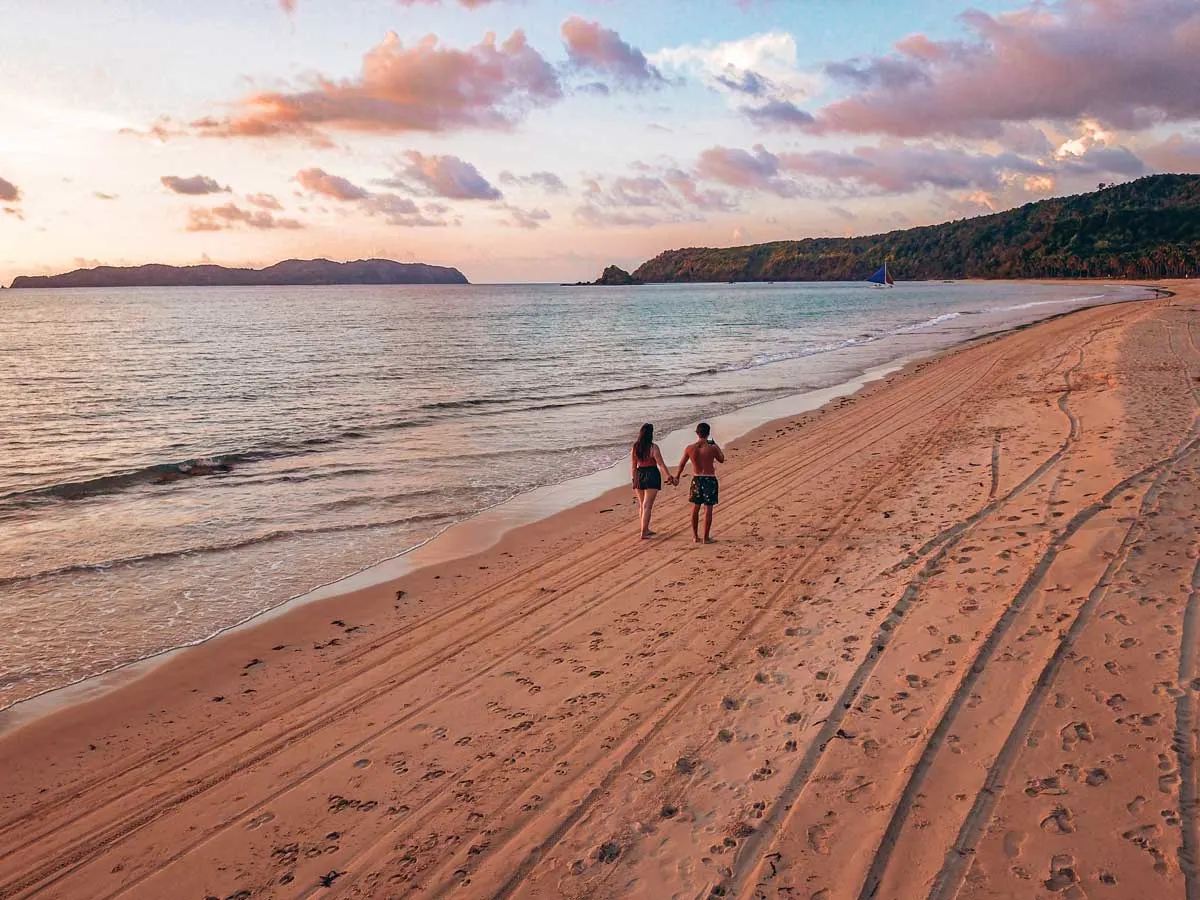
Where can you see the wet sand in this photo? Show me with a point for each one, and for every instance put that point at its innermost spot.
(945, 646)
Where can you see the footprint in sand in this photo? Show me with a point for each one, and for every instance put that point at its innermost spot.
(260, 820)
(1063, 878)
(1012, 843)
(1060, 821)
(1074, 732)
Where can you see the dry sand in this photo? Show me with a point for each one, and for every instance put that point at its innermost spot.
(946, 646)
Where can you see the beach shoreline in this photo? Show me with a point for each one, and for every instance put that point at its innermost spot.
(481, 530)
(260, 683)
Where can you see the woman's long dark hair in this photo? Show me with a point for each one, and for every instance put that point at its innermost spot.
(641, 448)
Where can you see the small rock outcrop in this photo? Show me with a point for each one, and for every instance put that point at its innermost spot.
(615, 275)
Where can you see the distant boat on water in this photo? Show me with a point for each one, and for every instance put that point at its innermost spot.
(882, 278)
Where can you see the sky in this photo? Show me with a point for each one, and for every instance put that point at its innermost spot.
(540, 140)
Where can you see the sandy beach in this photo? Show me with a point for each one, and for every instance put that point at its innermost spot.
(945, 646)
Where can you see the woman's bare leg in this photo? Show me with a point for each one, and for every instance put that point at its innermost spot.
(647, 508)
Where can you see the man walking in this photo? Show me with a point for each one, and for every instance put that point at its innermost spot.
(704, 454)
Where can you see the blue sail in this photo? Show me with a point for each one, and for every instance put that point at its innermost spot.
(881, 276)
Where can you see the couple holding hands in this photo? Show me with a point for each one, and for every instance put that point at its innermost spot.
(646, 461)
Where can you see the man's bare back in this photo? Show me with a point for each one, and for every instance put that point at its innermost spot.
(703, 455)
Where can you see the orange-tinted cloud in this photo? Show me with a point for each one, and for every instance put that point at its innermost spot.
(9, 192)
(194, 186)
(1127, 64)
(424, 87)
(231, 216)
(592, 47)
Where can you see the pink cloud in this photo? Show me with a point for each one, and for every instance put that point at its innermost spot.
(194, 186)
(1125, 63)
(901, 168)
(230, 216)
(395, 209)
(425, 87)
(592, 47)
(9, 192)
(264, 201)
(757, 170)
(443, 176)
(653, 196)
(318, 181)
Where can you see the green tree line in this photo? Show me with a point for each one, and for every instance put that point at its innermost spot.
(1149, 228)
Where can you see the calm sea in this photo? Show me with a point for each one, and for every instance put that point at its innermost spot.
(174, 461)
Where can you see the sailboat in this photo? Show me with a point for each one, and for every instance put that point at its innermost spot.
(882, 278)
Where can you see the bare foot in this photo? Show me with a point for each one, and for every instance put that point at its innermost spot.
(696, 539)
(710, 540)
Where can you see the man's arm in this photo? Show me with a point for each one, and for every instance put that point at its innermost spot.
(720, 453)
(687, 454)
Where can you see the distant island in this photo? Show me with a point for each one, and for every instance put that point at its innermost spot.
(288, 272)
(1149, 228)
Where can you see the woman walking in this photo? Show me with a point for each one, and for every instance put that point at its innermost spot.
(645, 463)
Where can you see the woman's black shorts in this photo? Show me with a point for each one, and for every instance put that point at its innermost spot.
(649, 478)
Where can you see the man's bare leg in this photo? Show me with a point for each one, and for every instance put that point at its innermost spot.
(708, 511)
(696, 522)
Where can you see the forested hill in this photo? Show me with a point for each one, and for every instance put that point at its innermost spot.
(288, 272)
(1149, 228)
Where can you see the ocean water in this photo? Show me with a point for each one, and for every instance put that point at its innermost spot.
(174, 461)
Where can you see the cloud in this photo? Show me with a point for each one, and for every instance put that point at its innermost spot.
(231, 216)
(778, 114)
(425, 87)
(1127, 64)
(758, 170)
(902, 168)
(9, 192)
(318, 181)
(264, 201)
(289, 6)
(652, 196)
(525, 218)
(758, 75)
(100, 195)
(194, 186)
(594, 48)
(395, 209)
(469, 4)
(547, 181)
(600, 218)
(161, 130)
(1178, 154)
(443, 176)
(403, 212)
